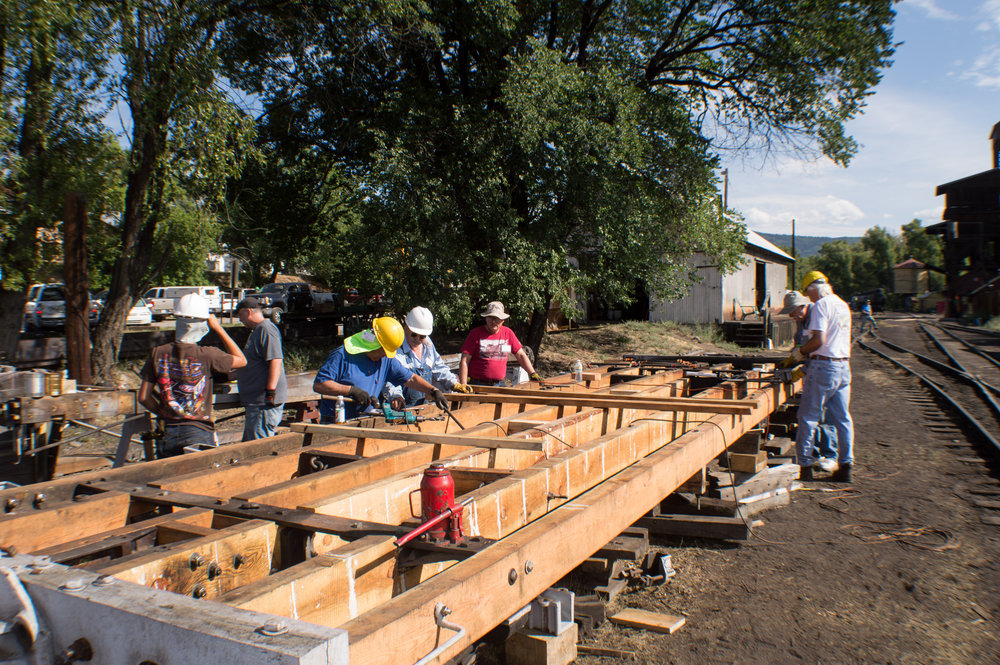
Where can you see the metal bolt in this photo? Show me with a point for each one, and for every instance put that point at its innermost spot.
(511, 577)
(11, 505)
(272, 628)
(39, 499)
(214, 570)
(199, 591)
(239, 560)
(104, 580)
(73, 585)
(528, 566)
(356, 525)
(196, 560)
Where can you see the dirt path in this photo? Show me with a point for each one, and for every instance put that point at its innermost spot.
(825, 580)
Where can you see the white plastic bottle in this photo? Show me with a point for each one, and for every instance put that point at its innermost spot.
(578, 370)
(338, 411)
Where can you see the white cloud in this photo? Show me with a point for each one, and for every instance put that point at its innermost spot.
(931, 8)
(985, 71)
(813, 214)
(929, 215)
(991, 8)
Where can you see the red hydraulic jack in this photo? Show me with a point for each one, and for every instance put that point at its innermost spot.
(437, 507)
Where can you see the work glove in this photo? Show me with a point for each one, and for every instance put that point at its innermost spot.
(535, 376)
(359, 396)
(439, 399)
(269, 394)
(462, 388)
(794, 358)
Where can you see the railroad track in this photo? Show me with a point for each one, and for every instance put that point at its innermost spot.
(957, 370)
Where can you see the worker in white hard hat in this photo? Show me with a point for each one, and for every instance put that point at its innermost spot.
(826, 391)
(363, 368)
(177, 377)
(419, 355)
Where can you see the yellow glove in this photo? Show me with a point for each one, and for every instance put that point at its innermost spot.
(535, 376)
(794, 358)
(797, 374)
(461, 388)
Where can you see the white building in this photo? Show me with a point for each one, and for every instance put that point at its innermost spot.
(760, 283)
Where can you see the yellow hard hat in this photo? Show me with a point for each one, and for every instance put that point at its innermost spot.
(811, 277)
(389, 333)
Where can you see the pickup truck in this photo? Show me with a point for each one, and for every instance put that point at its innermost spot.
(277, 300)
(46, 308)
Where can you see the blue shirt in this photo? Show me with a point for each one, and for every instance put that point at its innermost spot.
(431, 367)
(358, 370)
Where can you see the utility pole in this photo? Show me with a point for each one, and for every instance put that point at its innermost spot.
(725, 190)
(794, 283)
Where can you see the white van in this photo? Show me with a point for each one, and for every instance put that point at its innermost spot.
(162, 299)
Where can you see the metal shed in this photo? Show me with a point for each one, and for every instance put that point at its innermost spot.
(760, 283)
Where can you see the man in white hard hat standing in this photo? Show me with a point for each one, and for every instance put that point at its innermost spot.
(177, 377)
(828, 381)
(419, 355)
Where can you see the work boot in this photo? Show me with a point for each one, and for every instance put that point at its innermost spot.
(806, 474)
(842, 474)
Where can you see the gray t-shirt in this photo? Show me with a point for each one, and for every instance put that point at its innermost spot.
(263, 345)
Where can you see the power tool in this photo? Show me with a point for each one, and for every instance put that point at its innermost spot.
(393, 417)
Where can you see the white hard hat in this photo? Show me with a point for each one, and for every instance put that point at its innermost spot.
(192, 306)
(420, 320)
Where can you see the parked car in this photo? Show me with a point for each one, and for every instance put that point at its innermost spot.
(141, 313)
(46, 308)
(279, 299)
(161, 299)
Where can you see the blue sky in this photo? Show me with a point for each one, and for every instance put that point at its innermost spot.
(928, 123)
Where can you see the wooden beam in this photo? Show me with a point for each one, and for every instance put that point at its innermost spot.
(241, 554)
(554, 544)
(689, 404)
(34, 530)
(418, 437)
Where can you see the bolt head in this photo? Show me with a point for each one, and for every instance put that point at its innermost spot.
(528, 566)
(512, 577)
(73, 585)
(104, 580)
(272, 628)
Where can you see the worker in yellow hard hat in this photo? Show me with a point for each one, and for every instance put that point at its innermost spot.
(361, 368)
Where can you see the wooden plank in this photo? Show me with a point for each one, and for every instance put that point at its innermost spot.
(89, 545)
(241, 553)
(607, 394)
(34, 530)
(696, 526)
(418, 437)
(645, 620)
(586, 650)
(765, 481)
(735, 407)
(555, 543)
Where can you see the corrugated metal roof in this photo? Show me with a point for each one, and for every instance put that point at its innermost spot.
(759, 241)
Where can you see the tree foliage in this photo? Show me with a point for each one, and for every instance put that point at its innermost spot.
(523, 151)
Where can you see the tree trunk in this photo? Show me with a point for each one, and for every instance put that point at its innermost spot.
(77, 293)
(11, 318)
(536, 328)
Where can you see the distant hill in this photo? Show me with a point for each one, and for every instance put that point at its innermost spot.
(805, 245)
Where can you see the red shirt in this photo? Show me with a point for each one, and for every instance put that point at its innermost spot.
(489, 352)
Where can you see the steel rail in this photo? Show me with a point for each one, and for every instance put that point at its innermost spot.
(938, 390)
(980, 385)
(969, 345)
(937, 364)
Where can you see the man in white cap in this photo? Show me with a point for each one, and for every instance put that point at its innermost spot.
(797, 306)
(362, 368)
(177, 377)
(484, 353)
(419, 355)
(827, 384)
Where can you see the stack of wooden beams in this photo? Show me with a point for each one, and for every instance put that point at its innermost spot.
(302, 524)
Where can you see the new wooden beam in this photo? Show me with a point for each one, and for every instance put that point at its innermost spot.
(418, 437)
(33, 530)
(736, 407)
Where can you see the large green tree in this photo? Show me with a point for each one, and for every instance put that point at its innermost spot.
(521, 150)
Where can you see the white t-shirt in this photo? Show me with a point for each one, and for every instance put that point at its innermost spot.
(832, 316)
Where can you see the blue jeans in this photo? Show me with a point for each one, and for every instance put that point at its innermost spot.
(827, 388)
(178, 436)
(867, 322)
(826, 439)
(260, 421)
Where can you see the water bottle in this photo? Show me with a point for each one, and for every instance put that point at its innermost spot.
(338, 411)
(578, 371)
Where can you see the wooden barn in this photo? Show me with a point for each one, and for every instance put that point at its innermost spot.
(757, 286)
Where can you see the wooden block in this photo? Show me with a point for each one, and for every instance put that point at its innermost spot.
(521, 424)
(695, 484)
(533, 648)
(592, 376)
(660, 623)
(761, 502)
(67, 464)
(765, 481)
(749, 443)
(696, 526)
(748, 463)
(779, 447)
